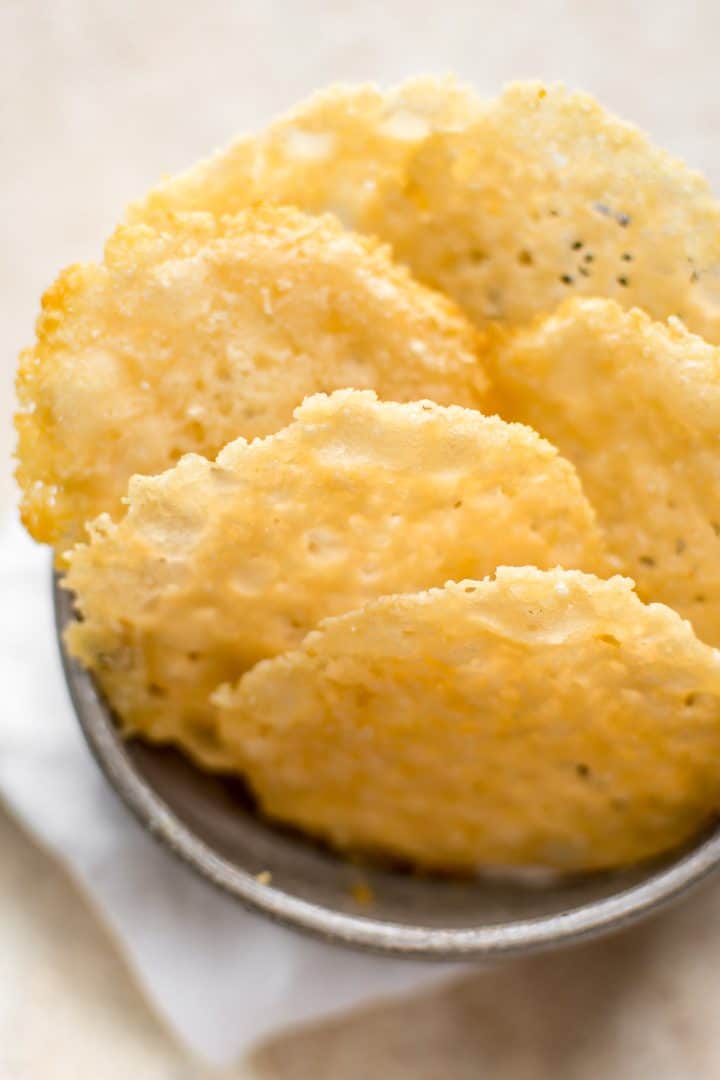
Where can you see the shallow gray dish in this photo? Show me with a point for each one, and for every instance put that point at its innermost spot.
(209, 823)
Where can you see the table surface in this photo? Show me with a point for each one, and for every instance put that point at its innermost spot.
(96, 101)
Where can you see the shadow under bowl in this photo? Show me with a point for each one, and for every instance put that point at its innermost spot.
(209, 822)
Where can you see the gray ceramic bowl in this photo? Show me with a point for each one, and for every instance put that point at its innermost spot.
(209, 823)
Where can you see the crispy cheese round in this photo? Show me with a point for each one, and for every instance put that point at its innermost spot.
(333, 152)
(547, 195)
(635, 405)
(219, 565)
(191, 335)
(538, 719)
(509, 205)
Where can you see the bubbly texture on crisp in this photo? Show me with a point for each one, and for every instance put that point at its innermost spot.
(635, 405)
(192, 334)
(508, 205)
(540, 718)
(218, 565)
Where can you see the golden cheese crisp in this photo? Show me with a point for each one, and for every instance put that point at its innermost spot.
(635, 405)
(333, 152)
(540, 718)
(188, 336)
(219, 565)
(547, 195)
(509, 205)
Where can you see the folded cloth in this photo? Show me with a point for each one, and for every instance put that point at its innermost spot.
(221, 977)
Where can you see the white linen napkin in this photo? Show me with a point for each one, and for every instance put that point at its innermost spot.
(221, 977)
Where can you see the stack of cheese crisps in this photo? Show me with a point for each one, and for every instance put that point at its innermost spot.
(381, 453)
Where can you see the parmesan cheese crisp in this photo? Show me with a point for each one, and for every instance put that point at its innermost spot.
(217, 565)
(635, 405)
(537, 719)
(189, 335)
(509, 205)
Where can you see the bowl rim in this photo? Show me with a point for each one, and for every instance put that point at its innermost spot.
(520, 937)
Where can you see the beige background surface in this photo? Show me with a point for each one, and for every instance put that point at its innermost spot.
(96, 101)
